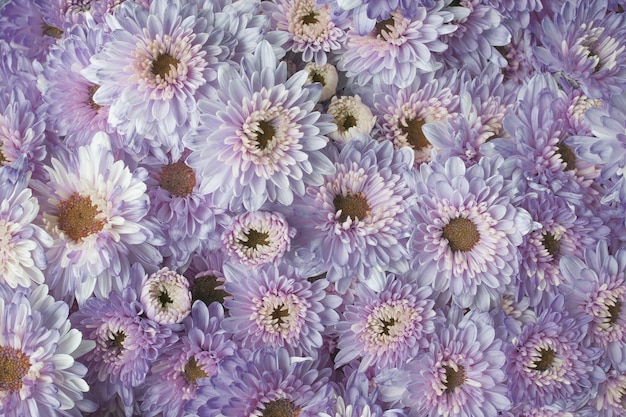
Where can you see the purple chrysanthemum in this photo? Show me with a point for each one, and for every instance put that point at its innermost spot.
(275, 308)
(460, 375)
(22, 243)
(94, 209)
(311, 29)
(19, 73)
(597, 286)
(265, 382)
(70, 109)
(467, 230)
(606, 145)
(173, 379)
(385, 329)
(183, 212)
(126, 343)
(560, 229)
(402, 112)
(38, 372)
(165, 297)
(261, 140)
(365, 13)
(21, 132)
(153, 70)
(586, 43)
(549, 360)
(610, 400)
(257, 238)
(398, 48)
(357, 223)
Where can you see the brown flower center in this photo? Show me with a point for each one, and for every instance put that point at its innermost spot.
(280, 312)
(52, 31)
(414, 134)
(346, 122)
(77, 217)
(3, 159)
(461, 234)
(280, 408)
(178, 178)
(550, 243)
(546, 360)
(116, 341)
(264, 134)
(193, 371)
(164, 299)
(310, 18)
(14, 366)
(567, 155)
(316, 77)
(354, 206)
(92, 90)
(384, 26)
(454, 378)
(386, 325)
(255, 239)
(205, 289)
(164, 64)
(614, 311)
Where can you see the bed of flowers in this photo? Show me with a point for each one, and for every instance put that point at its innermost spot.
(291, 208)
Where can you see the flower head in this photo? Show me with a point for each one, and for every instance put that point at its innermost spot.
(37, 356)
(352, 118)
(261, 140)
(165, 297)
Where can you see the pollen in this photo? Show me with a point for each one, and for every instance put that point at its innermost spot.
(454, 377)
(78, 217)
(461, 234)
(164, 64)
(193, 371)
(178, 179)
(14, 366)
(353, 206)
(280, 408)
(414, 134)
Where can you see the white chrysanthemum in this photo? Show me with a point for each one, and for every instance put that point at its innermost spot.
(326, 75)
(166, 297)
(352, 118)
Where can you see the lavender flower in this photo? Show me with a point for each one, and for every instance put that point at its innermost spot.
(597, 286)
(467, 231)
(165, 297)
(261, 140)
(258, 237)
(385, 329)
(264, 382)
(93, 207)
(40, 375)
(357, 222)
(460, 374)
(174, 377)
(272, 307)
(125, 345)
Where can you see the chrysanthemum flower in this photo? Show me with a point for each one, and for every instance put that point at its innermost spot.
(586, 43)
(387, 328)
(326, 75)
(256, 238)
(165, 297)
(402, 112)
(357, 223)
(185, 215)
(266, 382)
(173, 379)
(606, 145)
(460, 375)
(22, 256)
(94, 209)
(275, 308)
(352, 118)
(559, 230)
(152, 71)
(21, 132)
(70, 109)
(397, 48)
(19, 73)
(261, 140)
(467, 230)
(38, 372)
(126, 343)
(597, 286)
(365, 13)
(610, 400)
(311, 28)
(549, 360)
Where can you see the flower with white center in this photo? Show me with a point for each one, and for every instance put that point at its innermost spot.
(258, 237)
(165, 297)
(326, 75)
(351, 117)
(312, 30)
